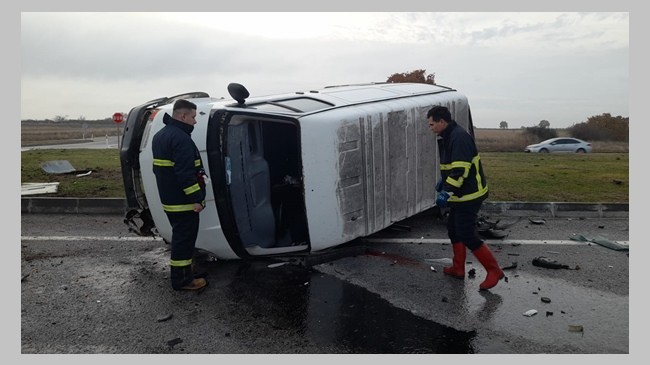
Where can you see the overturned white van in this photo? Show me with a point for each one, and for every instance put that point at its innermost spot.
(300, 172)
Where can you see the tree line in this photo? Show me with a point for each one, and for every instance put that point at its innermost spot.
(603, 127)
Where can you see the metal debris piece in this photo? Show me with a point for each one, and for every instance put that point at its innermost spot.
(38, 188)
(548, 314)
(530, 313)
(492, 229)
(537, 221)
(471, 273)
(601, 241)
(174, 342)
(57, 167)
(433, 269)
(545, 299)
(548, 263)
(277, 264)
(510, 267)
(576, 328)
(165, 317)
(24, 277)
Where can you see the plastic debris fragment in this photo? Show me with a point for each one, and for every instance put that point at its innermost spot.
(57, 167)
(530, 313)
(545, 299)
(444, 260)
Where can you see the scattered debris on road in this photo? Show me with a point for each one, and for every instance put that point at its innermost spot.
(57, 167)
(165, 317)
(542, 261)
(530, 313)
(600, 241)
(577, 328)
(38, 188)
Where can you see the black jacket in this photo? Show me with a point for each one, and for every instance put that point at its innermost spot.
(178, 167)
(460, 165)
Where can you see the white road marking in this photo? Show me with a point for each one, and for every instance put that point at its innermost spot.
(367, 240)
(490, 242)
(88, 238)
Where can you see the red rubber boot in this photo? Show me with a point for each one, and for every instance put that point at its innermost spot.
(457, 268)
(494, 272)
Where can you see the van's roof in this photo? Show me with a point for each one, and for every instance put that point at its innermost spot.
(348, 94)
(334, 96)
(310, 101)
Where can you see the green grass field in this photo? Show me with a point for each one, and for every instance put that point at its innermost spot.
(512, 176)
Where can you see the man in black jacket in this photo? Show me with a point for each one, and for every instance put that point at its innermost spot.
(463, 188)
(180, 178)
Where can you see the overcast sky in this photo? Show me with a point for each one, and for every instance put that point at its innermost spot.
(515, 67)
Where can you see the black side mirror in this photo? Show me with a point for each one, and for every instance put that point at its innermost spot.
(238, 92)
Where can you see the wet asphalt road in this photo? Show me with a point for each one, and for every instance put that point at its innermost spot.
(106, 295)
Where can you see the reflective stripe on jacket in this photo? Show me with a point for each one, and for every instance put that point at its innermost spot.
(460, 165)
(177, 165)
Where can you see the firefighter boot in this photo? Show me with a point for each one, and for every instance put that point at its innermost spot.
(494, 272)
(457, 268)
(183, 279)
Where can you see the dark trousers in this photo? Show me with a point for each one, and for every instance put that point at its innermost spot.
(185, 229)
(461, 223)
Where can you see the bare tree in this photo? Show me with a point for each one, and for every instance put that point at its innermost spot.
(503, 125)
(544, 124)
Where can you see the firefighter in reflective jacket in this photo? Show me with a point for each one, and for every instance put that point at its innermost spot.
(180, 178)
(463, 188)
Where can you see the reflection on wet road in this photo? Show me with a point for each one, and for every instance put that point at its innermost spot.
(331, 312)
(383, 302)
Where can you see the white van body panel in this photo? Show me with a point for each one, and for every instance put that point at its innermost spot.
(370, 165)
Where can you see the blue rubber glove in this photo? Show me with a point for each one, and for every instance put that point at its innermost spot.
(441, 199)
(439, 185)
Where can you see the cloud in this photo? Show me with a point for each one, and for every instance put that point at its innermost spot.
(103, 62)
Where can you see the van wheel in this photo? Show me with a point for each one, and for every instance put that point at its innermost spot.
(543, 150)
(581, 150)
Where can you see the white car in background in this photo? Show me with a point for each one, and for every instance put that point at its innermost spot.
(560, 144)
